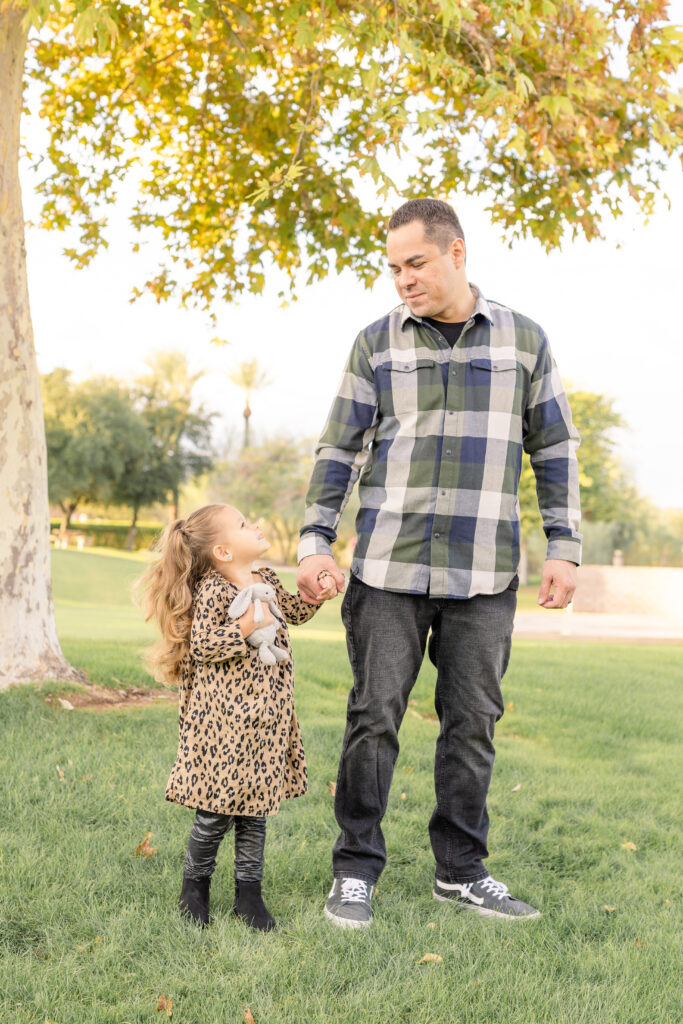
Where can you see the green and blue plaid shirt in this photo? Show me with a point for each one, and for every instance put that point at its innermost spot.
(435, 437)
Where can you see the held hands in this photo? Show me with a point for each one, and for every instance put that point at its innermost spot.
(319, 579)
(561, 576)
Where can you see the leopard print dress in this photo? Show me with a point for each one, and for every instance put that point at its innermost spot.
(240, 749)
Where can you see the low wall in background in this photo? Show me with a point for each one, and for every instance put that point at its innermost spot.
(629, 590)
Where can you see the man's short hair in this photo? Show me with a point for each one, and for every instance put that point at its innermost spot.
(440, 220)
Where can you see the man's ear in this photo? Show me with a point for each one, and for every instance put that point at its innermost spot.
(457, 249)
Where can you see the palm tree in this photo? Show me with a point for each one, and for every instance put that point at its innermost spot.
(182, 429)
(250, 377)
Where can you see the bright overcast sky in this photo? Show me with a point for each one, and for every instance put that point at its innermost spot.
(609, 311)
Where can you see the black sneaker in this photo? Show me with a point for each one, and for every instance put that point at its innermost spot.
(348, 905)
(485, 897)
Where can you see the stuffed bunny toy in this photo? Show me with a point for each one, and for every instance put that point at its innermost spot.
(264, 637)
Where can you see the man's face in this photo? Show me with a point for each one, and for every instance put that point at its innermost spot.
(426, 279)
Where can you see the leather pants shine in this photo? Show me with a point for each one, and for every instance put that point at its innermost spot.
(206, 835)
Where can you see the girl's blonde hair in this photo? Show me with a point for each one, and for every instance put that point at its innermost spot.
(168, 587)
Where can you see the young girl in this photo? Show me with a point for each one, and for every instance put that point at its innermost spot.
(239, 751)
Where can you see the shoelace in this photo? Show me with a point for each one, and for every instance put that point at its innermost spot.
(353, 890)
(496, 889)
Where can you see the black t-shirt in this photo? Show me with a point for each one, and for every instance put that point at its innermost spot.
(451, 332)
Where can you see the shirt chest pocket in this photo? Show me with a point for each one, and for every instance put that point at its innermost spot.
(493, 385)
(408, 386)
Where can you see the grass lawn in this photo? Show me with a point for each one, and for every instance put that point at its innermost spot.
(587, 769)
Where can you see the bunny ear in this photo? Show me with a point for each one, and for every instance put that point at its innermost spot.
(240, 604)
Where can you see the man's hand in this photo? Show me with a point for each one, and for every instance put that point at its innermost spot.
(561, 576)
(314, 590)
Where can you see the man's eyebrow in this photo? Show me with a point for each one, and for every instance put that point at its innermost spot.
(411, 259)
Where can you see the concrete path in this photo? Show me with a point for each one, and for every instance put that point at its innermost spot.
(598, 626)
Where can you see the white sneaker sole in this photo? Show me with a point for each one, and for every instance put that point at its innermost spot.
(484, 911)
(345, 922)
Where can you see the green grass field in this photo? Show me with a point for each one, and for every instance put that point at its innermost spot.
(587, 762)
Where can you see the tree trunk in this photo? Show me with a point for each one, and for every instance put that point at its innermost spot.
(68, 511)
(133, 529)
(246, 414)
(29, 649)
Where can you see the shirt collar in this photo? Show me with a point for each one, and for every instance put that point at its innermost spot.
(481, 307)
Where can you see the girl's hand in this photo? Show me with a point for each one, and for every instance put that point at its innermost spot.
(247, 624)
(328, 586)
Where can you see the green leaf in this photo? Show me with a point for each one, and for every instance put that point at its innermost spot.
(557, 106)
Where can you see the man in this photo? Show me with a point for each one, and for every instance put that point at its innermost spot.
(437, 400)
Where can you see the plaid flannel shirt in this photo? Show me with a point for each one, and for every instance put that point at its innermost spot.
(436, 436)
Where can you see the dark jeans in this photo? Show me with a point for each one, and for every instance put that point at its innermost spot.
(386, 635)
(206, 835)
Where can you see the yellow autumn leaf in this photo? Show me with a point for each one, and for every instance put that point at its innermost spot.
(248, 1016)
(628, 845)
(431, 958)
(609, 910)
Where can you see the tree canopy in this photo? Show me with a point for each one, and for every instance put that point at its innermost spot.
(250, 125)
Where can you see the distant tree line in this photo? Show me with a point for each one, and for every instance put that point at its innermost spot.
(110, 443)
(143, 445)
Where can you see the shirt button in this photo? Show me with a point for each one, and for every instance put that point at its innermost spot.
(437, 534)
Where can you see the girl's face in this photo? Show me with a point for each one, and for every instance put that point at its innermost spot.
(237, 540)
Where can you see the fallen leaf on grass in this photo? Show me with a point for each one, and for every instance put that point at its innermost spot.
(431, 924)
(426, 716)
(431, 958)
(640, 942)
(60, 772)
(332, 786)
(165, 1004)
(66, 704)
(610, 910)
(143, 849)
(516, 789)
(628, 845)
(248, 1016)
(403, 796)
(510, 706)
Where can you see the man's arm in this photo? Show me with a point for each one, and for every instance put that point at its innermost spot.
(342, 451)
(551, 440)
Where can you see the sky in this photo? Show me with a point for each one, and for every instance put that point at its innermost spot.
(608, 307)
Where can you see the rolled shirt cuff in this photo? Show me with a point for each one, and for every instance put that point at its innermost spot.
(313, 543)
(566, 548)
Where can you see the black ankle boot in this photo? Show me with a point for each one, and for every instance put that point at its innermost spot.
(194, 900)
(250, 908)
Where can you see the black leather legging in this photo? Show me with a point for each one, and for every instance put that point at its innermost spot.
(206, 835)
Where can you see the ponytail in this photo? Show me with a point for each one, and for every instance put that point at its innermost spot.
(184, 556)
